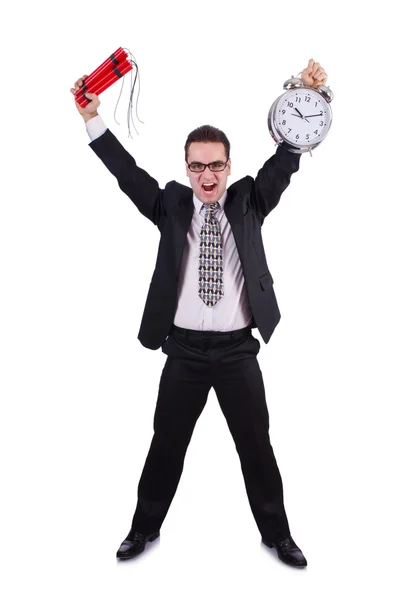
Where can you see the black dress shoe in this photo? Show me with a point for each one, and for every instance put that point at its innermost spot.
(288, 552)
(135, 543)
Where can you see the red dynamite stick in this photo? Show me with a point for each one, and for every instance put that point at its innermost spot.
(106, 82)
(112, 76)
(114, 60)
(101, 71)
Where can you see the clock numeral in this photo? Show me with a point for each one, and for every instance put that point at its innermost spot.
(284, 122)
(290, 104)
(321, 123)
(283, 112)
(307, 136)
(298, 99)
(289, 130)
(307, 98)
(316, 131)
(297, 136)
(315, 104)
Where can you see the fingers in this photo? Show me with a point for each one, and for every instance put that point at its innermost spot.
(316, 72)
(313, 68)
(77, 85)
(310, 66)
(320, 77)
(95, 102)
(79, 82)
(305, 76)
(93, 97)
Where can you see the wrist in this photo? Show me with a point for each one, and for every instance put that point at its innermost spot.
(89, 116)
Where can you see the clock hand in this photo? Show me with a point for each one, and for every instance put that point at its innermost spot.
(319, 115)
(301, 116)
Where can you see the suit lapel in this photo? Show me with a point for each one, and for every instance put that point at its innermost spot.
(182, 219)
(235, 210)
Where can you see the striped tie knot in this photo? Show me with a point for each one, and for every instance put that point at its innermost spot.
(211, 208)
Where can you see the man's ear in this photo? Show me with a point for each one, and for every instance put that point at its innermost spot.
(229, 167)
(187, 169)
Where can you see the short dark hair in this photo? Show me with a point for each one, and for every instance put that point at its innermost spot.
(207, 133)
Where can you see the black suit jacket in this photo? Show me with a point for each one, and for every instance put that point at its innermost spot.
(248, 202)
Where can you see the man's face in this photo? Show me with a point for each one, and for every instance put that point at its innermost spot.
(208, 152)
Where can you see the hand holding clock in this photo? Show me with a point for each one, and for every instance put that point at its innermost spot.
(314, 75)
(306, 93)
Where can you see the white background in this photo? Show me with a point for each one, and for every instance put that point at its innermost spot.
(78, 390)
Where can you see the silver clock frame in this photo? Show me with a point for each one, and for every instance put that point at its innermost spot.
(296, 83)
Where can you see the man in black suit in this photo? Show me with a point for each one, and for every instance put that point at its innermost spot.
(210, 287)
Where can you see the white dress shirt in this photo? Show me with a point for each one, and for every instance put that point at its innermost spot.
(232, 311)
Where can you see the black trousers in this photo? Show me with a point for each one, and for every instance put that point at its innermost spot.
(196, 362)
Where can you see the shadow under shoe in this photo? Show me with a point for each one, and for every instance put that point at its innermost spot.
(288, 552)
(134, 544)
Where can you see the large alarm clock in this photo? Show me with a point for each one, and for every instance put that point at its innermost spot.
(300, 118)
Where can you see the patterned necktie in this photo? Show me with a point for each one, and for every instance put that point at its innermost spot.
(211, 261)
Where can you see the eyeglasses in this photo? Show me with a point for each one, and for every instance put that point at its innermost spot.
(215, 166)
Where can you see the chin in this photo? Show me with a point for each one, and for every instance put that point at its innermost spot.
(209, 199)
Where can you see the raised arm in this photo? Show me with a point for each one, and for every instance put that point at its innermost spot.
(275, 175)
(137, 184)
(272, 179)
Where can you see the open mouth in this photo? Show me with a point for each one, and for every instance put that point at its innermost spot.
(208, 188)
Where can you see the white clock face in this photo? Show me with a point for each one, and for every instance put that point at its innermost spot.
(303, 117)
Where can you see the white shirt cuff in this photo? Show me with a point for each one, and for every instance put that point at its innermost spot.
(95, 127)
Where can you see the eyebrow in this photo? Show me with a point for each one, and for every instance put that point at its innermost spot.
(212, 161)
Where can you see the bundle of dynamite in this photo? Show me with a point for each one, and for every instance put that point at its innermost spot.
(110, 71)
